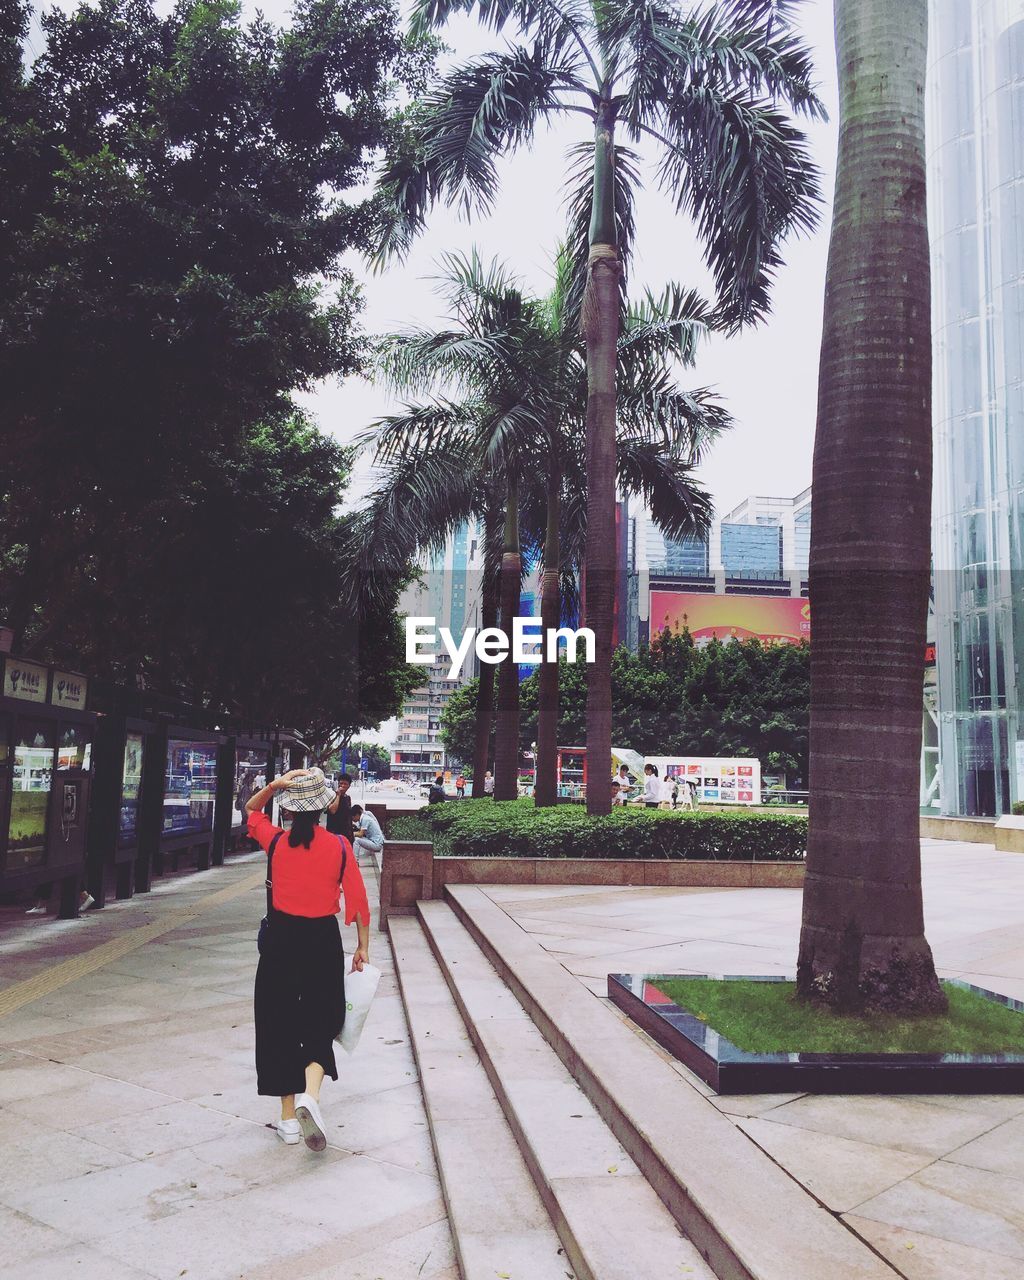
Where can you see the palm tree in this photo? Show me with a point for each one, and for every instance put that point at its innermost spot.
(708, 90)
(862, 941)
(519, 367)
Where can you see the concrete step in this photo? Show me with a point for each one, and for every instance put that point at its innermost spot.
(609, 1218)
(747, 1217)
(498, 1220)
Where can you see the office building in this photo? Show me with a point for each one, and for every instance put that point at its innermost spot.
(976, 214)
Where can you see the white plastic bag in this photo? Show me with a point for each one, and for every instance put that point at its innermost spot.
(360, 987)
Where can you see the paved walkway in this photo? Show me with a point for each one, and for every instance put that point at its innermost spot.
(134, 1144)
(936, 1184)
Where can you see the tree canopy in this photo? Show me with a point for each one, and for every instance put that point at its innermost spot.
(175, 195)
(673, 698)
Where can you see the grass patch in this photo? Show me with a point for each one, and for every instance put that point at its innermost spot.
(766, 1017)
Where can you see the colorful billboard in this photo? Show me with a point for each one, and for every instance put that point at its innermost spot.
(772, 619)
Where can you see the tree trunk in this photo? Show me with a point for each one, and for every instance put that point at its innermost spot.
(506, 741)
(601, 331)
(862, 944)
(485, 693)
(546, 791)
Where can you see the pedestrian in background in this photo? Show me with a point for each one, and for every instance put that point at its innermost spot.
(652, 786)
(339, 815)
(300, 981)
(369, 836)
(488, 783)
(436, 793)
(460, 787)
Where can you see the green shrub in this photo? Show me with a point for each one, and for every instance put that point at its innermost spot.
(516, 828)
(410, 826)
(1017, 808)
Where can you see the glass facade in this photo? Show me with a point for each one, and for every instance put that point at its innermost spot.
(751, 548)
(976, 211)
(686, 556)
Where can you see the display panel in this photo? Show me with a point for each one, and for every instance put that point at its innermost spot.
(74, 747)
(250, 777)
(32, 781)
(722, 781)
(771, 619)
(190, 786)
(131, 787)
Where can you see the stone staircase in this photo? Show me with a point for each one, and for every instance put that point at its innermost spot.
(567, 1148)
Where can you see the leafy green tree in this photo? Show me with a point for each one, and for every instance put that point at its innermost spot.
(671, 698)
(709, 91)
(171, 189)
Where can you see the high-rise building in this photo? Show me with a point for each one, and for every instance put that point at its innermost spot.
(976, 213)
(447, 590)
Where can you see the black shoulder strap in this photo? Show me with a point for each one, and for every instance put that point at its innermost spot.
(270, 873)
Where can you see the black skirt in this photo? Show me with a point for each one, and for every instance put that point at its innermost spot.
(299, 1001)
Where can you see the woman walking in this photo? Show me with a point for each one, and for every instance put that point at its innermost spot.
(300, 981)
(652, 786)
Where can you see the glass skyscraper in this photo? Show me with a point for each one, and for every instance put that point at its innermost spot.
(976, 211)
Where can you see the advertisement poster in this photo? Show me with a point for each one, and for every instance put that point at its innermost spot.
(250, 777)
(736, 781)
(69, 691)
(131, 787)
(190, 786)
(771, 619)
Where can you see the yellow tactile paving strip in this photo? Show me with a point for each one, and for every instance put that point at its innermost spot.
(50, 980)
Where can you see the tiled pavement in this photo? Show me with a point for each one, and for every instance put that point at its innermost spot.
(133, 1142)
(935, 1184)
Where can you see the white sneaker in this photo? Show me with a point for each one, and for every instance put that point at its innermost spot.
(289, 1132)
(311, 1122)
(36, 911)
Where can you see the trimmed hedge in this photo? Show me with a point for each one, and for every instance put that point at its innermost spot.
(517, 828)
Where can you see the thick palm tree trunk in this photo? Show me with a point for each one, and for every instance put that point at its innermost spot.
(601, 331)
(862, 942)
(546, 791)
(506, 741)
(485, 691)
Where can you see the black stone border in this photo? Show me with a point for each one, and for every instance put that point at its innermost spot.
(728, 1069)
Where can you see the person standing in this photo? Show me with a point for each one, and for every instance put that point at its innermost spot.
(369, 836)
(652, 787)
(436, 793)
(299, 1000)
(488, 783)
(339, 816)
(460, 787)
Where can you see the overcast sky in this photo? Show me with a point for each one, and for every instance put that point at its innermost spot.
(767, 377)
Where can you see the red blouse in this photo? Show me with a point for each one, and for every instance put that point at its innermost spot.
(306, 880)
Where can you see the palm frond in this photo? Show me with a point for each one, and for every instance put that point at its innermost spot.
(435, 425)
(680, 422)
(665, 327)
(744, 173)
(414, 506)
(678, 503)
(579, 206)
(484, 109)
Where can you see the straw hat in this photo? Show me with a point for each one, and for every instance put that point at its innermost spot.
(308, 794)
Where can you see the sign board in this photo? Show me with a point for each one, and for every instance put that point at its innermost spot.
(718, 781)
(771, 619)
(24, 680)
(69, 691)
